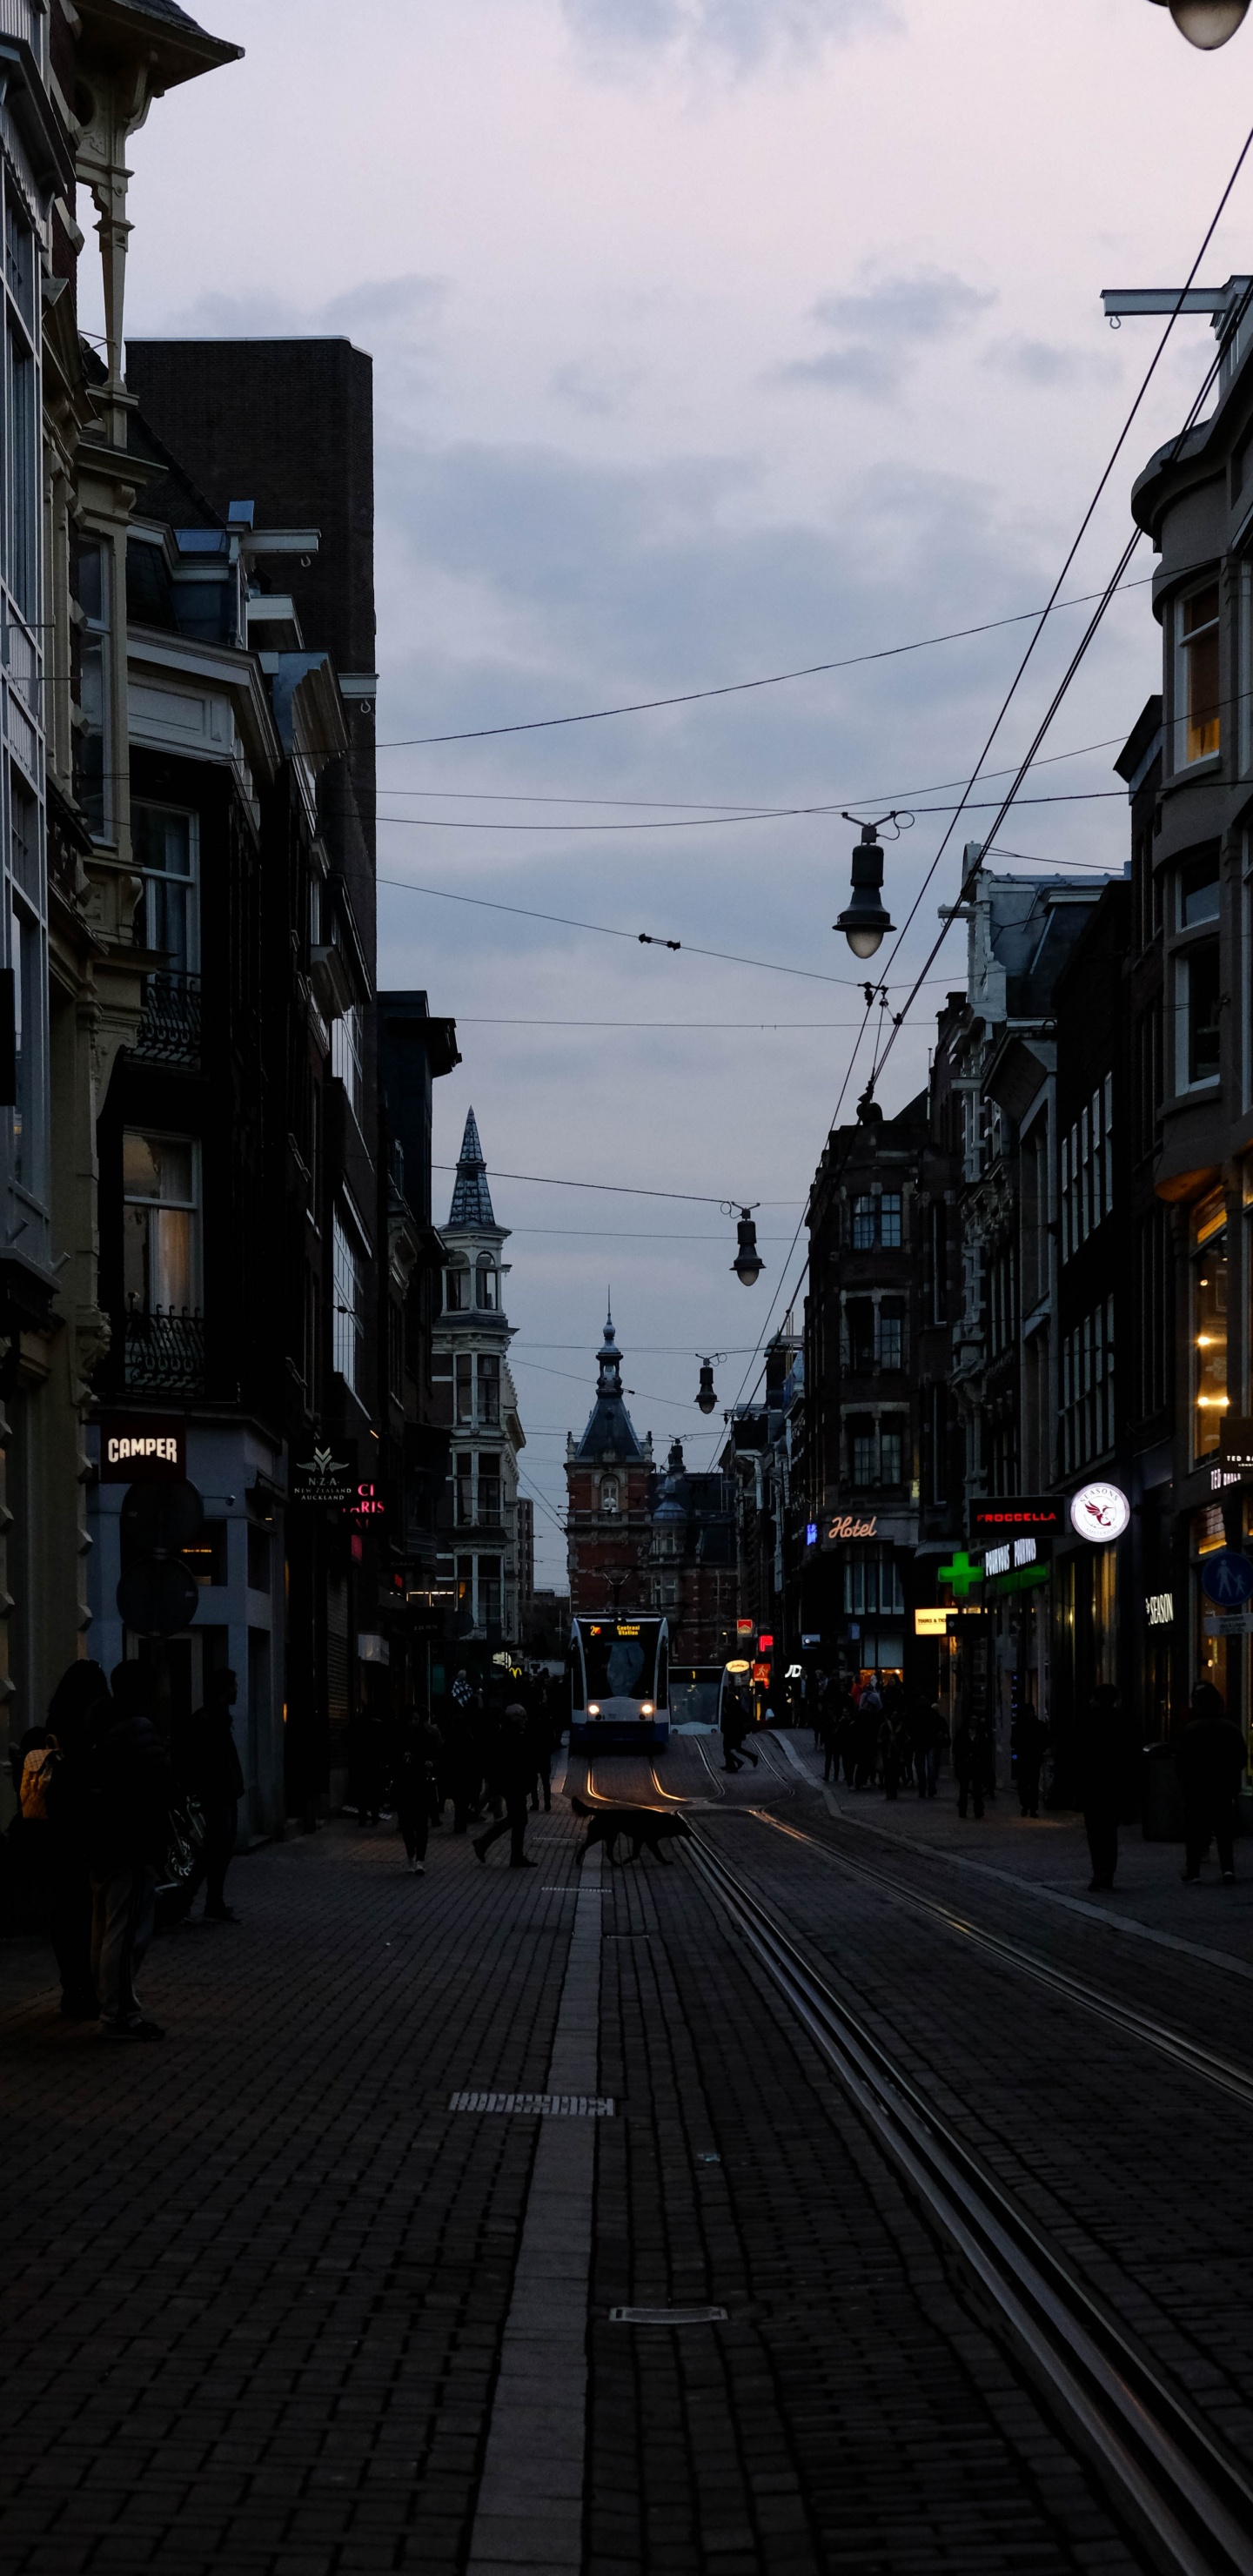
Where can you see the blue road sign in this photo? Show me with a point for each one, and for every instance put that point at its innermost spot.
(1227, 1579)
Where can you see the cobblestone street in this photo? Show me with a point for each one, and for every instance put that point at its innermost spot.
(274, 2305)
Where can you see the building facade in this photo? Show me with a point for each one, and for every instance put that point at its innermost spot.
(478, 1563)
(610, 1494)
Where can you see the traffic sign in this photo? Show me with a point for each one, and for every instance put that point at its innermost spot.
(159, 1598)
(1227, 1578)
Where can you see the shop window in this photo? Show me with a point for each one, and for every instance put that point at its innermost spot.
(1209, 1323)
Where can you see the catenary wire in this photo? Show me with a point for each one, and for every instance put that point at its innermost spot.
(1103, 599)
(710, 804)
(729, 688)
(623, 1189)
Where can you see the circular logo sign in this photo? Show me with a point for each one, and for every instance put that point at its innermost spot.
(1099, 1512)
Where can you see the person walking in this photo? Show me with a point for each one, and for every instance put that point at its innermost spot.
(1100, 1784)
(512, 1776)
(209, 1769)
(1030, 1739)
(416, 1770)
(1209, 1764)
(128, 1785)
(895, 1752)
(869, 1713)
(732, 1728)
(970, 1754)
(78, 1694)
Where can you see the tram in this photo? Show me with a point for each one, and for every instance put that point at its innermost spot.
(620, 1682)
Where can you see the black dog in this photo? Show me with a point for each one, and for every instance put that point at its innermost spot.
(645, 1828)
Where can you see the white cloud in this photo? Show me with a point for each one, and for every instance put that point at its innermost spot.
(738, 36)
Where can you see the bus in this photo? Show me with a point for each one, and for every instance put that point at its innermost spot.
(620, 1682)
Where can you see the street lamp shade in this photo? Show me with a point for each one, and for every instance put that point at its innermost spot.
(707, 1401)
(748, 1264)
(864, 920)
(1207, 23)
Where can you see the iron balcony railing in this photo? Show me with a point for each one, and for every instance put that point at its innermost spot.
(164, 1351)
(169, 1030)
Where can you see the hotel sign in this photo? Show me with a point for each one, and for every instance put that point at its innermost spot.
(845, 1526)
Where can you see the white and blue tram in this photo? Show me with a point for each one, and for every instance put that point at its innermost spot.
(619, 1682)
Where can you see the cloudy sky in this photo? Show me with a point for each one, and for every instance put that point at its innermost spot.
(713, 339)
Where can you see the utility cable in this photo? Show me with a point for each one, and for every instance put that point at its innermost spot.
(622, 1189)
(729, 688)
(713, 822)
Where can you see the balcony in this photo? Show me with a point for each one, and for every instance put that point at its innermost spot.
(164, 1351)
(169, 1029)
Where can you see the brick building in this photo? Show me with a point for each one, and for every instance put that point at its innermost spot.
(610, 1486)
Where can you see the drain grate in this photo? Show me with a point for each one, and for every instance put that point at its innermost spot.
(668, 2317)
(547, 2106)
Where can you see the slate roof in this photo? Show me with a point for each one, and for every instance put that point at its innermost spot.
(610, 1431)
(471, 1197)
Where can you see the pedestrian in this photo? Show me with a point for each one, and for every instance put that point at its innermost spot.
(869, 1713)
(827, 1734)
(79, 1692)
(208, 1768)
(128, 1785)
(416, 1768)
(510, 1772)
(731, 1728)
(1100, 1784)
(895, 1751)
(1030, 1739)
(970, 1754)
(1209, 1764)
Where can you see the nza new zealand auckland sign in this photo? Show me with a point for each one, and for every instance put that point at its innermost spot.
(325, 1471)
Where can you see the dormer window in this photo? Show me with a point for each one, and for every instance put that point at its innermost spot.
(609, 1497)
(487, 1288)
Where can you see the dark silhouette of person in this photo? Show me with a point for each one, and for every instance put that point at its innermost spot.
(1031, 1736)
(129, 1785)
(1209, 1764)
(1100, 1784)
(416, 1768)
(512, 1775)
(81, 1690)
(970, 1762)
(209, 1769)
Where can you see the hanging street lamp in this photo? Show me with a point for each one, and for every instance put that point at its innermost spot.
(1206, 23)
(707, 1401)
(864, 919)
(748, 1264)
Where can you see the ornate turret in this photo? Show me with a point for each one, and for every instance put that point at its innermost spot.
(471, 1197)
(610, 1431)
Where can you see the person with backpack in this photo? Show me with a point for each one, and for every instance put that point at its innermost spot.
(127, 1788)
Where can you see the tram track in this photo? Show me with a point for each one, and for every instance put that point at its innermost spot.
(1189, 2502)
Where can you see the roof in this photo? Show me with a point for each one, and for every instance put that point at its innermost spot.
(116, 26)
(471, 1197)
(610, 1431)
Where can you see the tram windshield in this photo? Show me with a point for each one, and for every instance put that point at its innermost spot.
(619, 1658)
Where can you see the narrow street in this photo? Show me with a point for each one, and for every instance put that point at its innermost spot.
(272, 2303)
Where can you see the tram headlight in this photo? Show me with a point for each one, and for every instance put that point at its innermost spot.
(593, 1708)
(646, 1708)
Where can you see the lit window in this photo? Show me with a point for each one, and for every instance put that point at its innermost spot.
(1209, 1323)
(161, 1223)
(1200, 729)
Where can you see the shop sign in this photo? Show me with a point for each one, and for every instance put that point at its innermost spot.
(135, 1451)
(1000, 1518)
(931, 1623)
(844, 1526)
(1099, 1512)
(1235, 1441)
(372, 1649)
(811, 1533)
(1008, 1558)
(1159, 1609)
(811, 1641)
(765, 1644)
(325, 1472)
(761, 1674)
(368, 1503)
(1227, 1579)
(743, 1627)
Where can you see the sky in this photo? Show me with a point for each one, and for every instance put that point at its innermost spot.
(713, 339)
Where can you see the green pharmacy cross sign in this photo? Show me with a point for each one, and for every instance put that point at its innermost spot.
(961, 1573)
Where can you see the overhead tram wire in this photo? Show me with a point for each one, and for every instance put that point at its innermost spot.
(719, 822)
(624, 1189)
(729, 688)
(711, 805)
(1103, 599)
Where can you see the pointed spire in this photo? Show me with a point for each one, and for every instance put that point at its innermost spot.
(609, 1381)
(471, 1198)
(610, 1431)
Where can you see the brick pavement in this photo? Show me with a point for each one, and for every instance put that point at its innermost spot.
(259, 2279)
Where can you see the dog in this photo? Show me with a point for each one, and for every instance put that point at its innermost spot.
(645, 1828)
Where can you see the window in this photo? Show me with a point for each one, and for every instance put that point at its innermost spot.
(396, 1349)
(161, 1223)
(872, 1583)
(491, 1592)
(890, 1220)
(937, 1442)
(1155, 1310)
(939, 1262)
(1088, 1428)
(1198, 888)
(26, 959)
(487, 1284)
(348, 1291)
(457, 1291)
(1199, 979)
(489, 1492)
(489, 1389)
(859, 1313)
(877, 1221)
(1197, 701)
(465, 1591)
(892, 1333)
(891, 1454)
(864, 1211)
(91, 586)
(609, 1497)
(21, 408)
(166, 855)
(1209, 1323)
(463, 1490)
(465, 1387)
(346, 1056)
(862, 1448)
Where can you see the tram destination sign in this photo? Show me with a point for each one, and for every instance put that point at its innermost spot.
(1016, 1516)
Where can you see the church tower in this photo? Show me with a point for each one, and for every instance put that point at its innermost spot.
(608, 1473)
(476, 1397)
